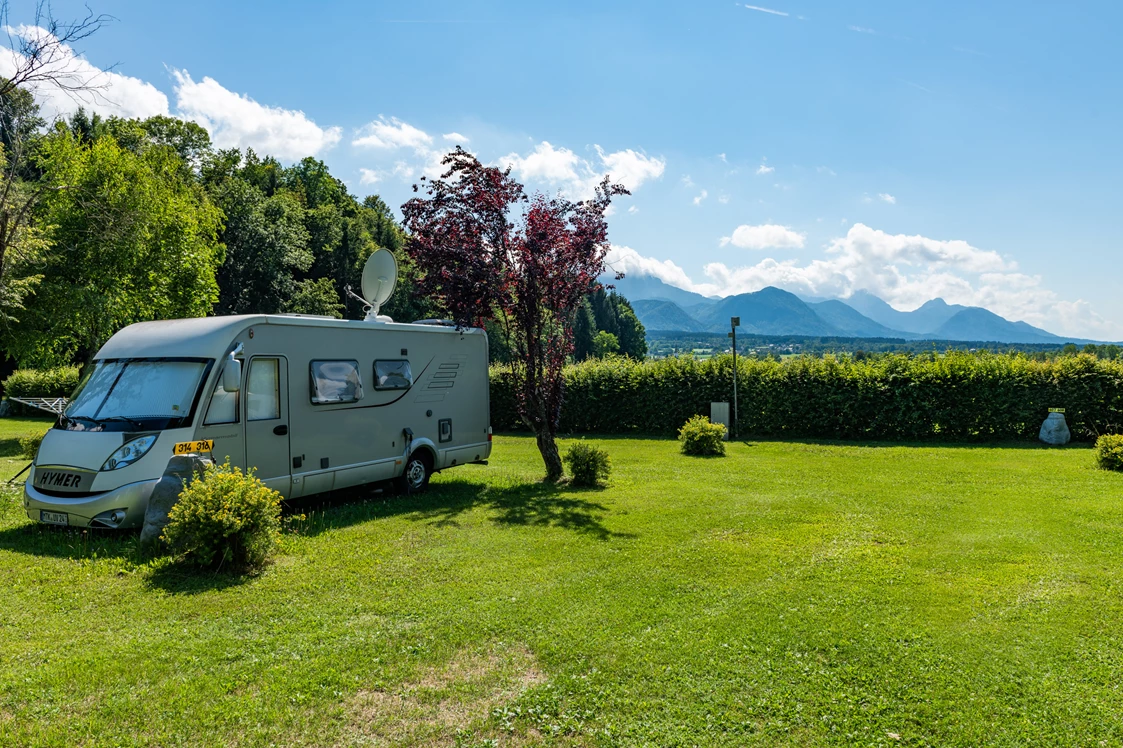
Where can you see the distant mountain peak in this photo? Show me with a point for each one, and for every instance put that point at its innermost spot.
(774, 311)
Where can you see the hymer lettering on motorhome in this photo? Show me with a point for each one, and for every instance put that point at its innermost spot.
(312, 403)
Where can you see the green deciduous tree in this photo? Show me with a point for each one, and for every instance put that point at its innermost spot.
(132, 240)
(266, 247)
(605, 344)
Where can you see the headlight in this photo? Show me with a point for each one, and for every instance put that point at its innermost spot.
(129, 452)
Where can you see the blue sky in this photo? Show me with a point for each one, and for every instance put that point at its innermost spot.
(958, 149)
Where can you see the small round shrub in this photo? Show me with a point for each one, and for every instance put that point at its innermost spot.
(1109, 452)
(226, 519)
(700, 437)
(29, 445)
(588, 465)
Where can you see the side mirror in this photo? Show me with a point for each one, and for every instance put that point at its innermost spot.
(232, 375)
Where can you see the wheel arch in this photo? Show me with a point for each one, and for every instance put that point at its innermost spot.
(427, 447)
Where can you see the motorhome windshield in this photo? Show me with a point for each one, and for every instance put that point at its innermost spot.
(136, 395)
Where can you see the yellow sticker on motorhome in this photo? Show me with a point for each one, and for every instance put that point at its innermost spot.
(186, 448)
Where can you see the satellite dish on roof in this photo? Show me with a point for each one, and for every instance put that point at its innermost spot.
(380, 275)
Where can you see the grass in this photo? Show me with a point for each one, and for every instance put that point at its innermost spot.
(789, 593)
(11, 431)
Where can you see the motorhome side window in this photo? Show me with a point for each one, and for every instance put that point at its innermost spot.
(223, 407)
(336, 382)
(392, 375)
(263, 392)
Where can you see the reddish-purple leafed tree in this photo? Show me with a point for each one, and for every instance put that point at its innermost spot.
(489, 252)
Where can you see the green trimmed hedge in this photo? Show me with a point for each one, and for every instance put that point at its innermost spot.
(960, 396)
(58, 382)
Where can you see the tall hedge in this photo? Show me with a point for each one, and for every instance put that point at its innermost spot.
(960, 396)
(58, 382)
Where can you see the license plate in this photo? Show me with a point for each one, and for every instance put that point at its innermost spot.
(186, 448)
(54, 518)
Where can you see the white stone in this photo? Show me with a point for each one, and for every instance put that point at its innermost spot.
(1055, 430)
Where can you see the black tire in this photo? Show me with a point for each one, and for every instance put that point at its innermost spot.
(415, 476)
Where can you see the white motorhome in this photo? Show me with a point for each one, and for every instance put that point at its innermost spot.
(313, 404)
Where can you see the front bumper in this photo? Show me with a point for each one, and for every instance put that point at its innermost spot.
(133, 498)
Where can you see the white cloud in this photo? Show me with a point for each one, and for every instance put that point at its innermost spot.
(698, 200)
(723, 199)
(887, 198)
(722, 157)
(391, 133)
(631, 168)
(237, 121)
(455, 137)
(545, 164)
(112, 94)
(765, 169)
(904, 270)
(369, 176)
(687, 181)
(765, 10)
(633, 209)
(628, 261)
(561, 168)
(403, 170)
(826, 170)
(861, 29)
(763, 237)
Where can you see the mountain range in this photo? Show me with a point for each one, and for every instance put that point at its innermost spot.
(772, 311)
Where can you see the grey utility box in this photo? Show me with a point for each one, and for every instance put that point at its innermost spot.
(719, 413)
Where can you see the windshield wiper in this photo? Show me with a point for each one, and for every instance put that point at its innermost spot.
(94, 421)
(138, 424)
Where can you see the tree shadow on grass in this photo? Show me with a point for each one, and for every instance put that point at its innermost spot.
(73, 543)
(521, 504)
(526, 504)
(178, 578)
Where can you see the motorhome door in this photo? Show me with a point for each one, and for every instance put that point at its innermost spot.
(267, 421)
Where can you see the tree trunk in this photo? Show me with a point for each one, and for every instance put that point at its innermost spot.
(549, 449)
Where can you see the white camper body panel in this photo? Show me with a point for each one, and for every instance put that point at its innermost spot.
(277, 423)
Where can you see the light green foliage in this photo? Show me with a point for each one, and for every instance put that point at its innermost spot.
(106, 222)
(189, 140)
(225, 520)
(132, 240)
(589, 466)
(605, 344)
(29, 445)
(701, 438)
(810, 594)
(958, 396)
(22, 243)
(58, 382)
(1109, 452)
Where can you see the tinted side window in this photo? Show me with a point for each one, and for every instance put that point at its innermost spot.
(392, 375)
(335, 382)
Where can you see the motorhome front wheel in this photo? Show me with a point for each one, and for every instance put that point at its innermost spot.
(416, 475)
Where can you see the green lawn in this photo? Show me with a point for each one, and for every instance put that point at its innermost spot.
(790, 593)
(11, 431)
